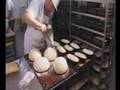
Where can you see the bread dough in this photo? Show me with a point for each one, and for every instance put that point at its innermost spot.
(34, 54)
(69, 48)
(50, 54)
(65, 41)
(74, 45)
(61, 49)
(81, 55)
(56, 44)
(72, 57)
(60, 65)
(41, 65)
(87, 51)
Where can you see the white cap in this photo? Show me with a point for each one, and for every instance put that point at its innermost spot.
(55, 3)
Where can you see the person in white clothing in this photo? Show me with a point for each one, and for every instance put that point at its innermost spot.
(37, 17)
(9, 13)
(9, 8)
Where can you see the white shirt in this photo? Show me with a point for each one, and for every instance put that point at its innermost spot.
(34, 37)
(15, 6)
(9, 6)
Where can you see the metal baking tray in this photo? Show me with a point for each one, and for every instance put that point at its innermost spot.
(49, 79)
(83, 63)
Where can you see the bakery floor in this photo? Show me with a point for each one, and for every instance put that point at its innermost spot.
(13, 80)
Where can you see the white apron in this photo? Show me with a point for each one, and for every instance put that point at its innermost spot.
(34, 38)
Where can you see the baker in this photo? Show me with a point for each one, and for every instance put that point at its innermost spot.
(38, 16)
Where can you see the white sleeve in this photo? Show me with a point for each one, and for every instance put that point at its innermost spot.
(10, 4)
(34, 7)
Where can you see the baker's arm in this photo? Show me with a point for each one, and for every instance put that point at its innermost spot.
(30, 20)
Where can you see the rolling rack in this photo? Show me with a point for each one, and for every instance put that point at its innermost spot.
(93, 23)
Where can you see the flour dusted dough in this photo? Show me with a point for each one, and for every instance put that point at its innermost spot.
(74, 45)
(81, 55)
(87, 51)
(61, 49)
(65, 41)
(56, 44)
(41, 65)
(50, 54)
(69, 48)
(34, 54)
(60, 65)
(72, 58)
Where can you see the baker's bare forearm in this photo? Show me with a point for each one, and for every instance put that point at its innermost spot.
(30, 20)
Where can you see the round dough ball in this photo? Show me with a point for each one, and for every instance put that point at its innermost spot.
(34, 54)
(50, 54)
(60, 65)
(41, 65)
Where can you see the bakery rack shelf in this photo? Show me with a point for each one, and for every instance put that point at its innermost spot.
(89, 15)
(100, 16)
(79, 84)
(91, 22)
(88, 29)
(79, 39)
(97, 1)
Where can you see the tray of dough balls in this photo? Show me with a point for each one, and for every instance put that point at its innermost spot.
(49, 68)
(77, 53)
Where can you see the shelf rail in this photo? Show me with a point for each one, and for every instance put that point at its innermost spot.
(89, 15)
(88, 29)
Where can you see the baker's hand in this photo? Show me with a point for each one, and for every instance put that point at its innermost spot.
(42, 27)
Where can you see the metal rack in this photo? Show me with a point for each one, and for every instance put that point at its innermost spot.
(83, 18)
(77, 14)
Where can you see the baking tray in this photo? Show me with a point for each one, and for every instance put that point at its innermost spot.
(83, 62)
(49, 79)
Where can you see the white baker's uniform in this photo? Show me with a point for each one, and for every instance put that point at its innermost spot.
(34, 38)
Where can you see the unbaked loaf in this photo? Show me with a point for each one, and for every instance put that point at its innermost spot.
(50, 54)
(81, 55)
(60, 65)
(68, 47)
(72, 57)
(34, 54)
(56, 44)
(74, 45)
(65, 41)
(61, 49)
(41, 65)
(87, 51)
